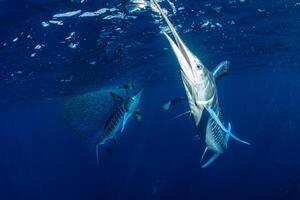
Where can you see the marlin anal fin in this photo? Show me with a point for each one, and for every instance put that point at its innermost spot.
(227, 131)
(221, 69)
(138, 117)
(211, 160)
(125, 119)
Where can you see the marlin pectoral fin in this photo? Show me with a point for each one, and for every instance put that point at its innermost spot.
(125, 119)
(211, 160)
(221, 69)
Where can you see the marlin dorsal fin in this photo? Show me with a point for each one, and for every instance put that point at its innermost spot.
(117, 98)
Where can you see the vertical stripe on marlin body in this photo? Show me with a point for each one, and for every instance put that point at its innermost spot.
(124, 108)
(201, 92)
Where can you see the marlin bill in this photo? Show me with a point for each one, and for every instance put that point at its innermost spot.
(123, 109)
(201, 92)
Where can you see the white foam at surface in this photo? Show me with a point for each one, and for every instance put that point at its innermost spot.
(119, 15)
(180, 8)
(172, 6)
(38, 46)
(60, 23)
(73, 45)
(45, 24)
(70, 36)
(138, 5)
(217, 9)
(261, 10)
(113, 9)
(205, 24)
(219, 25)
(97, 12)
(67, 14)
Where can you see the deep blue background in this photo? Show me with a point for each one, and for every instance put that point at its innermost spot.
(41, 158)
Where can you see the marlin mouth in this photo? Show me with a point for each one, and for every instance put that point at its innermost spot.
(184, 50)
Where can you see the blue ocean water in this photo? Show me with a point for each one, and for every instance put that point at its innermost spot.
(61, 59)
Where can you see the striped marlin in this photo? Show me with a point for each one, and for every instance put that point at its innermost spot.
(124, 108)
(201, 92)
